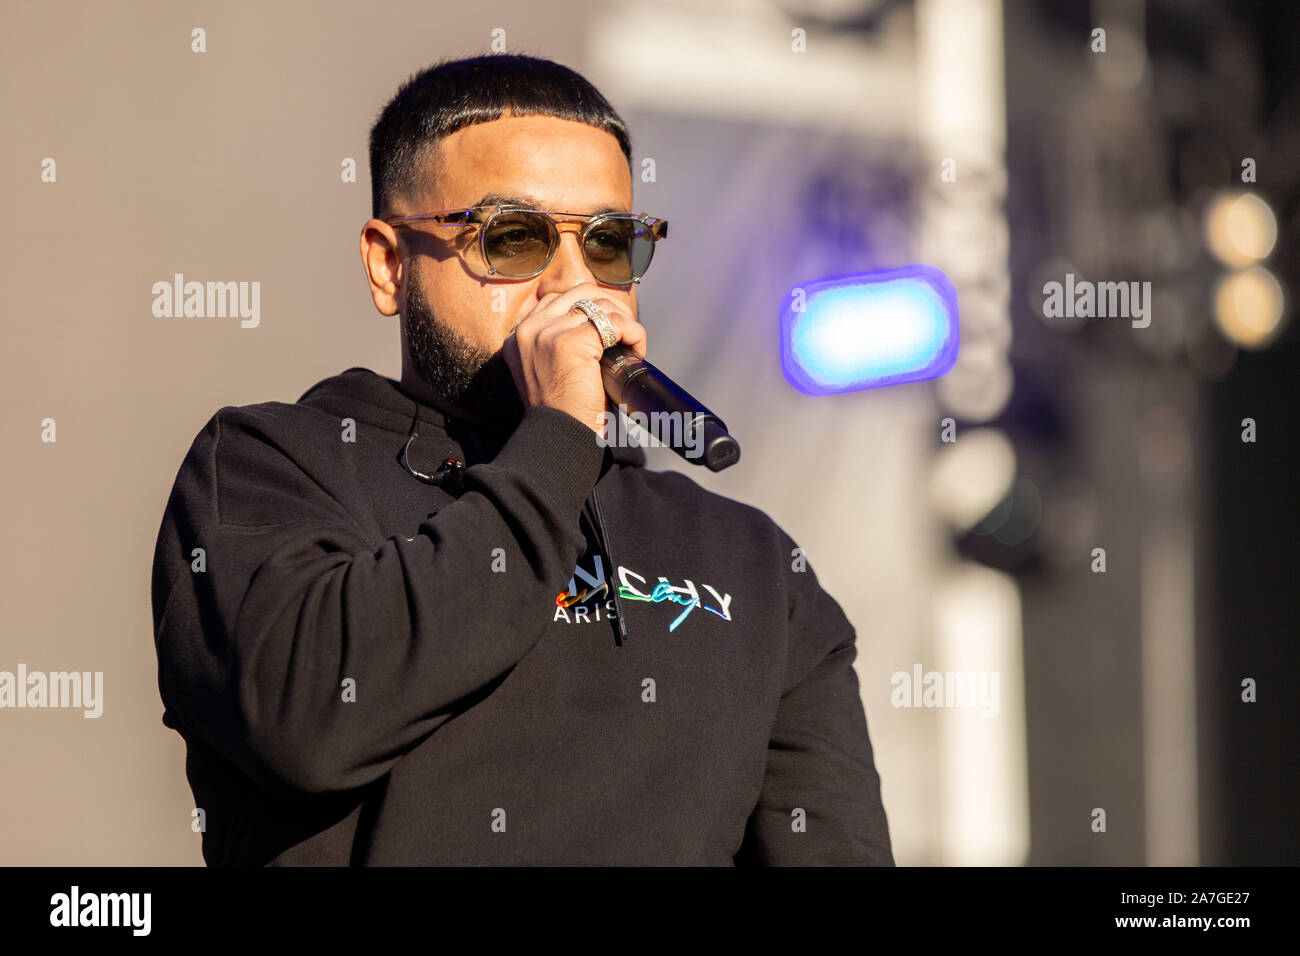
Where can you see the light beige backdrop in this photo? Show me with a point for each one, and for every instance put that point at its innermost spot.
(225, 166)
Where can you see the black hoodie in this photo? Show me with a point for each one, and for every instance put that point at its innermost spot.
(370, 669)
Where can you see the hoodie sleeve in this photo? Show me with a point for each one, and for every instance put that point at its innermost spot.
(819, 758)
(258, 633)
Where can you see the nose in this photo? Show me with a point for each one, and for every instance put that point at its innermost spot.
(567, 267)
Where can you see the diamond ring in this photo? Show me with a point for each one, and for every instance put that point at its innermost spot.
(598, 318)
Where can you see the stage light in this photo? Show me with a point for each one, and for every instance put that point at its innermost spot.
(868, 330)
(1248, 307)
(1240, 229)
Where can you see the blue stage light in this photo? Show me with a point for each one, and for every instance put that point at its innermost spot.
(868, 330)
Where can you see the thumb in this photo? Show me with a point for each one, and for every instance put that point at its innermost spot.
(510, 352)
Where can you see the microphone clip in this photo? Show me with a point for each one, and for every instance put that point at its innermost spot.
(450, 476)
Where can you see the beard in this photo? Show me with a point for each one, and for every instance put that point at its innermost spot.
(465, 374)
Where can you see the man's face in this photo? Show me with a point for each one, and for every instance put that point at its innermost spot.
(456, 316)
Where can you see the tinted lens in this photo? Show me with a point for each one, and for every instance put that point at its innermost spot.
(619, 250)
(519, 244)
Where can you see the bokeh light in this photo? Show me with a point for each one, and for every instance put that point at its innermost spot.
(1249, 306)
(1240, 228)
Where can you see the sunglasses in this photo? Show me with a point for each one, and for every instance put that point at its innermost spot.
(518, 243)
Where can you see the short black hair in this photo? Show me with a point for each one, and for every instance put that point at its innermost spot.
(453, 94)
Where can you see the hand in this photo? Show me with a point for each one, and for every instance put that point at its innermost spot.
(554, 353)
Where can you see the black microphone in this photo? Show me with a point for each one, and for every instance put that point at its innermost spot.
(635, 385)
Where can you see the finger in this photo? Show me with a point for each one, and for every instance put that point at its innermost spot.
(585, 290)
(556, 308)
(548, 299)
(575, 321)
(634, 335)
(510, 352)
(630, 332)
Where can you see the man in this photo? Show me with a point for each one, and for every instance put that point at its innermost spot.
(551, 655)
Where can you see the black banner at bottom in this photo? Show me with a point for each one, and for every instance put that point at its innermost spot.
(127, 906)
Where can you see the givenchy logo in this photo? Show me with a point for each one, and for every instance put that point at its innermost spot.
(687, 595)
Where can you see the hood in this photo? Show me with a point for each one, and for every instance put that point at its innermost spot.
(381, 402)
(385, 404)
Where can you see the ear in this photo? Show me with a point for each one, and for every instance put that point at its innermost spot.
(384, 257)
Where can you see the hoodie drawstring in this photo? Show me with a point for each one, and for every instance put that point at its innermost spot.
(613, 570)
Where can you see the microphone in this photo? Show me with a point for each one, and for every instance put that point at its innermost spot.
(635, 385)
